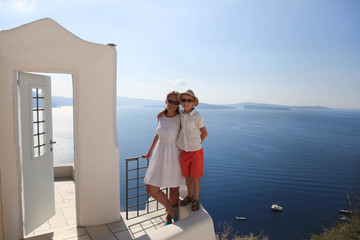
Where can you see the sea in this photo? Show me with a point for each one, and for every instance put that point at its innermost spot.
(306, 160)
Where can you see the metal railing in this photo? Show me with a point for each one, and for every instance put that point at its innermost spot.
(136, 195)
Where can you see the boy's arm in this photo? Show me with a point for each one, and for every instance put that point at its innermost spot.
(203, 134)
(161, 114)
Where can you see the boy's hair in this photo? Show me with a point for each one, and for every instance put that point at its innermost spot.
(175, 93)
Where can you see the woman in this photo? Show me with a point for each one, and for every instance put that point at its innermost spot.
(164, 170)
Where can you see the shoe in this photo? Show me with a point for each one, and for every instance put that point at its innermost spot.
(195, 205)
(167, 223)
(186, 201)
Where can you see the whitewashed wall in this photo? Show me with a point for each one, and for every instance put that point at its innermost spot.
(45, 46)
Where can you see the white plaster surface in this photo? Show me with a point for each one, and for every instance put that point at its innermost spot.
(45, 46)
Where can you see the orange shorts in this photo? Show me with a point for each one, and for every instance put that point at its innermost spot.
(192, 163)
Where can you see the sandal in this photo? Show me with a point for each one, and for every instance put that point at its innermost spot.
(186, 201)
(195, 205)
(167, 223)
(168, 220)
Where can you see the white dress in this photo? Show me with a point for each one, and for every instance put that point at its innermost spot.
(164, 168)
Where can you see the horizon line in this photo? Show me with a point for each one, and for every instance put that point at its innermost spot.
(246, 102)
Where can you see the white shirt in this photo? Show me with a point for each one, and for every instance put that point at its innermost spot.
(190, 135)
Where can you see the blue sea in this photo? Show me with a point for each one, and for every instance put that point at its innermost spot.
(308, 160)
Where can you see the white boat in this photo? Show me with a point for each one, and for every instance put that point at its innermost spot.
(275, 207)
(345, 211)
(240, 218)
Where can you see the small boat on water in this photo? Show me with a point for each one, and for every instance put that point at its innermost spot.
(345, 211)
(240, 218)
(275, 207)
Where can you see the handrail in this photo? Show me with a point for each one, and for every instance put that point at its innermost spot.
(134, 180)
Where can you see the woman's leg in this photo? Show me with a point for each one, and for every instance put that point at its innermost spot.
(159, 196)
(174, 195)
(174, 200)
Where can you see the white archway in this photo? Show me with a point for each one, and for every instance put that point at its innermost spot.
(45, 46)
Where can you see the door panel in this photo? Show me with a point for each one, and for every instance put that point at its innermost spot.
(36, 150)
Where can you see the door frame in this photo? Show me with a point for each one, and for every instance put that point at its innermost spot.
(17, 134)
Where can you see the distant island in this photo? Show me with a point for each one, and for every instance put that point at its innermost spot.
(265, 107)
(213, 106)
(139, 102)
(57, 101)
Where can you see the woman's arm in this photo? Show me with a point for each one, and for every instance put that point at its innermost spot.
(149, 153)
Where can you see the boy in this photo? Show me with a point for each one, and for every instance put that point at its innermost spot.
(192, 134)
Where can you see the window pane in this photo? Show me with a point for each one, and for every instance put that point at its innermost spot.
(36, 153)
(42, 139)
(41, 115)
(40, 92)
(41, 127)
(35, 119)
(42, 150)
(35, 127)
(40, 103)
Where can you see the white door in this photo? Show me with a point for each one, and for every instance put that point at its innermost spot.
(36, 150)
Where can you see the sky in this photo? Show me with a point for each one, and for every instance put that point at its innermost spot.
(298, 52)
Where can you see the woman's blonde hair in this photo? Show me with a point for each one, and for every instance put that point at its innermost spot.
(175, 93)
(172, 93)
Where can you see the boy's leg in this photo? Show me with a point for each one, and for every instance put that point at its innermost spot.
(196, 183)
(185, 164)
(188, 198)
(196, 171)
(189, 185)
(195, 203)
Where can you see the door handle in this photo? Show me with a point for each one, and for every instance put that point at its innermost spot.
(52, 142)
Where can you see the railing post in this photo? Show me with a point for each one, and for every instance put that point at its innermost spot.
(137, 185)
(147, 196)
(127, 189)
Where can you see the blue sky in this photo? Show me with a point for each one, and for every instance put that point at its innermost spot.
(298, 52)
